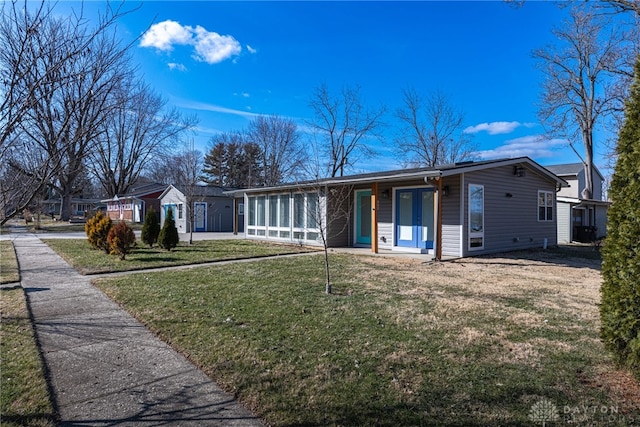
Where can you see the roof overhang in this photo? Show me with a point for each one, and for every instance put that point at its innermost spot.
(398, 176)
(582, 203)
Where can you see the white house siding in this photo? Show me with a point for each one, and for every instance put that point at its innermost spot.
(510, 223)
(564, 222)
(385, 217)
(174, 196)
(573, 190)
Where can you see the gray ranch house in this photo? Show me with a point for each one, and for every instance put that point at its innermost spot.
(449, 211)
(213, 210)
(580, 219)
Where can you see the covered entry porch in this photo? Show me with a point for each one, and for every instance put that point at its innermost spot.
(408, 216)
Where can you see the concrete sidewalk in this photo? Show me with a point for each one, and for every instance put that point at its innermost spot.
(104, 367)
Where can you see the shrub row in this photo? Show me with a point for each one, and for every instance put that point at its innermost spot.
(120, 239)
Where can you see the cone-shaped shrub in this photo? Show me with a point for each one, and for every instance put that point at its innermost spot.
(121, 239)
(150, 228)
(97, 229)
(620, 307)
(168, 238)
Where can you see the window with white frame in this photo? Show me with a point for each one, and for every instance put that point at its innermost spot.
(545, 205)
(476, 217)
(284, 216)
(180, 211)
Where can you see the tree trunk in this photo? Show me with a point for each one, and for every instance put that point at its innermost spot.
(327, 288)
(65, 208)
(588, 148)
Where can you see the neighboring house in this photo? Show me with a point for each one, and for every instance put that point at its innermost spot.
(453, 210)
(79, 207)
(580, 219)
(133, 206)
(213, 210)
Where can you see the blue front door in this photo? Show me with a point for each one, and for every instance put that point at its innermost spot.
(414, 218)
(200, 216)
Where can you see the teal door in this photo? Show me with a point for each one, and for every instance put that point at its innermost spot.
(414, 218)
(363, 217)
(168, 206)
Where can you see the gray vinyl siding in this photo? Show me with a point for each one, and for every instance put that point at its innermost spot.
(451, 217)
(601, 220)
(510, 223)
(564, 222)
(339, 214)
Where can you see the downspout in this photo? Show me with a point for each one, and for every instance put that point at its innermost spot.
(439, 222)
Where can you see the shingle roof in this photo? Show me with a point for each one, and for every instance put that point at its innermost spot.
(408, 174)
(566, 169)
(570, 169)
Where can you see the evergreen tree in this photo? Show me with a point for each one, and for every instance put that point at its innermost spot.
(150, 228)
(168, 237)
(97, 229)
(620, 307)
(121, 240)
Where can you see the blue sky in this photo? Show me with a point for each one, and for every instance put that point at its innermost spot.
(229, 61)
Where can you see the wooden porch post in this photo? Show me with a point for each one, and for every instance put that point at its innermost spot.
(374, 217)
(236, 205)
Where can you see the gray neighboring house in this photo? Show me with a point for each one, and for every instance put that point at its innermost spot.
(449, 211)
(214, 211)
(580, 219)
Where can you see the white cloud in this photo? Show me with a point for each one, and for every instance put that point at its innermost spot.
(165, 34)
(535, 146)
(251, 50)
(212, 48)
(496, 128)
(209, 46)
(176, 66)
(214, 108)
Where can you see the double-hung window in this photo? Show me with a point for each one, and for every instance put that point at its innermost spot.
(545, 205)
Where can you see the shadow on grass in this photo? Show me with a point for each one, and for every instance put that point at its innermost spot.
(569, 256)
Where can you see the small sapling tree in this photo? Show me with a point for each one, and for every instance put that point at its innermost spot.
(150, 228)
(168, 238)
(121, 240)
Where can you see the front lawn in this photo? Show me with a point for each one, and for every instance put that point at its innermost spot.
(24, 397)
(86, 260)
(486, 341)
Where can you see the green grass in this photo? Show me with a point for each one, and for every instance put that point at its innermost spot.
(81, 256)
(49, 226)
(399, 343)
(8, 263)
(24, 398)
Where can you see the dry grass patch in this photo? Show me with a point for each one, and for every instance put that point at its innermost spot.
(469, 342)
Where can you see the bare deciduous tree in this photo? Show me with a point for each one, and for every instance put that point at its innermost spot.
(343, 123)
(581, 73)
(138, 129)
(432, 130)
(279, 143)
(56, 74)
